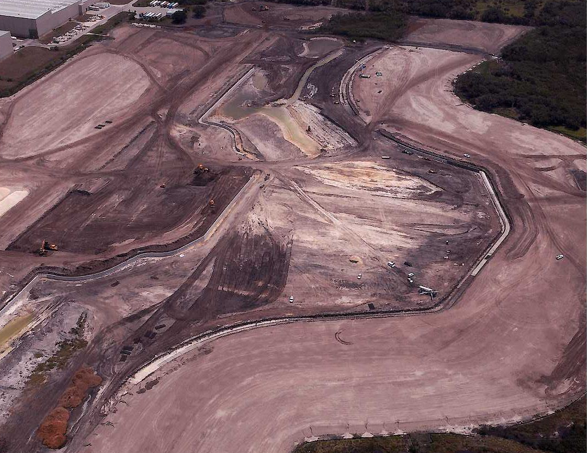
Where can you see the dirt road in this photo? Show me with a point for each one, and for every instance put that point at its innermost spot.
(513, 346)
(349, 229)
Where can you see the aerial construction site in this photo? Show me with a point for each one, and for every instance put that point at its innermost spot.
(244, 235)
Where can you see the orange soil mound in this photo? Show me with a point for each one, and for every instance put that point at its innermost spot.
(84, 379)
(54, 426)
(52, 430)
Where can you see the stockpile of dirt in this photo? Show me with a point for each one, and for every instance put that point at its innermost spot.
(52, 430)
(82, 381)
(54, 426)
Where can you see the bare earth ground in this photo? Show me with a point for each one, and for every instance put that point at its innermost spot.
(314, 214)
(512, 347)
(478, 35)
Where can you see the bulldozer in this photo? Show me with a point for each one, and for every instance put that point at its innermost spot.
(46, 247)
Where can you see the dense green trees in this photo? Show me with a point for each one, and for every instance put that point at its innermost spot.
(541, 77)
(199, 11)
(520, 12)
(179, 17)
(387, 26)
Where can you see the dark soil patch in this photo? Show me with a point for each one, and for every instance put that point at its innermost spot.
(133, 208)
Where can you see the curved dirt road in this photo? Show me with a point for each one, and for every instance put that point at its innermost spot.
(511, 348)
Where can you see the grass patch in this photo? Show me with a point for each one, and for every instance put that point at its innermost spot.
(579, 134)
(384, 26)
(561, 432)
(31, 63)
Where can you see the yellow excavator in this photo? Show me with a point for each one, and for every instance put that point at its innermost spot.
(201, 169)
(45, 247)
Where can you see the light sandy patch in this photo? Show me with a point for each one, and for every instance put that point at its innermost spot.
(326, 133)
(9, 199)
(292, 131)
(370, 176)
(168, 57)
(479, 35)
(400, 69)
(71, 103)
(267, 138)
(316, 47)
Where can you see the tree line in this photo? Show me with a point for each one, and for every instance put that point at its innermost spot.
(540, 78)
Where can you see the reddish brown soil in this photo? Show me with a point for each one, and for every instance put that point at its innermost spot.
(82, 381)
(54, 427)
(52, 430)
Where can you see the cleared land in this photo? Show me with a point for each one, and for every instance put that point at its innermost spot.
(427, 372)
(198, 204)
(467, 34)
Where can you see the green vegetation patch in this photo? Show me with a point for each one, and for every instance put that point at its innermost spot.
(386, 26)
(540, 78)
(65, 350)
(32, 63)
(518, 12)
(561, 432)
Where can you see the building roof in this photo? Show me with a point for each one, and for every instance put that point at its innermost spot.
(4, 33)
(32, 9)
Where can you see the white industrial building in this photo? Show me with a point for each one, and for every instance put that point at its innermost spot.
(5, 44)
(34, 18)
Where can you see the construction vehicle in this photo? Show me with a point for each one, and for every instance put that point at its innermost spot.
(391, 264)
(46, 247)
(212, 205)
(263, 8)
(432, 171)
(428, 291)
(291, 299)
(559, 257)
(201, 169)
(309, 129)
